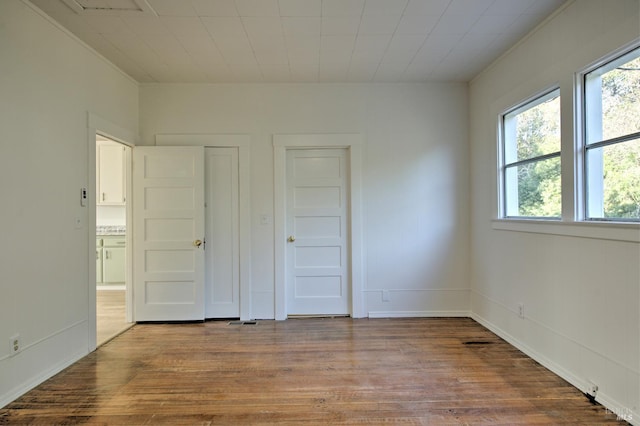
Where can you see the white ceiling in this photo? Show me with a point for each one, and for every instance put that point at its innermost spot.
(222, 41)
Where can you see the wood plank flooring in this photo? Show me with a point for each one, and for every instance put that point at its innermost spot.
(427, 371)
(110, 315)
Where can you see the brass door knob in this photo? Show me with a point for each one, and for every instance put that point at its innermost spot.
(197, 243)
(291, 238)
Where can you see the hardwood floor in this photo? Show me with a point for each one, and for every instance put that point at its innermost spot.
(307, 371)
(110, 315)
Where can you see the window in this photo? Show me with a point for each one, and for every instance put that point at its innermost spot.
(612, 139)
(530, 172)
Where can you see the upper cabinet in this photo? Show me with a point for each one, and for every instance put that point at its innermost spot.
(110, 167)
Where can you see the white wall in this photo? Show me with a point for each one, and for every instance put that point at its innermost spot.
(111, 215)
(580, 293)
(48, 83)
(415, 176)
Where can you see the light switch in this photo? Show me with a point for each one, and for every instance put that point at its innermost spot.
(265, 219)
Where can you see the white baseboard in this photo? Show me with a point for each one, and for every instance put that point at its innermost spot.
(418, 314)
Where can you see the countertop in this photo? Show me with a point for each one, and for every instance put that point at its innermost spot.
(110, 230)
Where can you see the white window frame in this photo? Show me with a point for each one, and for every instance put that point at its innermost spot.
(590, 199)
(505, 200)
(573, 223)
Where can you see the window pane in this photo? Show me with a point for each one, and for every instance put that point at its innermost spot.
(613, 99)
(537, 130)
(614, 181)
(533, 189)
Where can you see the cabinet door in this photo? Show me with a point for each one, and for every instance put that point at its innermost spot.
(110, 161)
(98, 265)
(113, 265)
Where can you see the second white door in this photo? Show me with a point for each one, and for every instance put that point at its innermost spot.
(222, 251)
(317, 271)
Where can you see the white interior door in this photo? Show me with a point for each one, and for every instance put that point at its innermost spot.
(168, 219)
(222, 270)
(317, 270)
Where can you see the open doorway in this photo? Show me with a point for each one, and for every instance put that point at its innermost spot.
(112, 177)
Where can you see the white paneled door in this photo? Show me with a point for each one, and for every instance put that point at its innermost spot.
(169, 226)
(317, 269)
(222, 270)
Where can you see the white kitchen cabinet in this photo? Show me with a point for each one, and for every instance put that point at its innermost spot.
(113, 259)
(110, 172)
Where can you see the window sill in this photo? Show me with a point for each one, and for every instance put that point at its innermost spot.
(616, 231)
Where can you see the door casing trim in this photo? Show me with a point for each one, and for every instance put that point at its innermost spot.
(97, 125)
(352, 142)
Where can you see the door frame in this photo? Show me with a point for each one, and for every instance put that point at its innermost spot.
(97, 125)
(243, 144)
(352, 142)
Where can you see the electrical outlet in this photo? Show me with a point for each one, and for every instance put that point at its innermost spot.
(385, 296)
(14, 344)
(521, 310)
